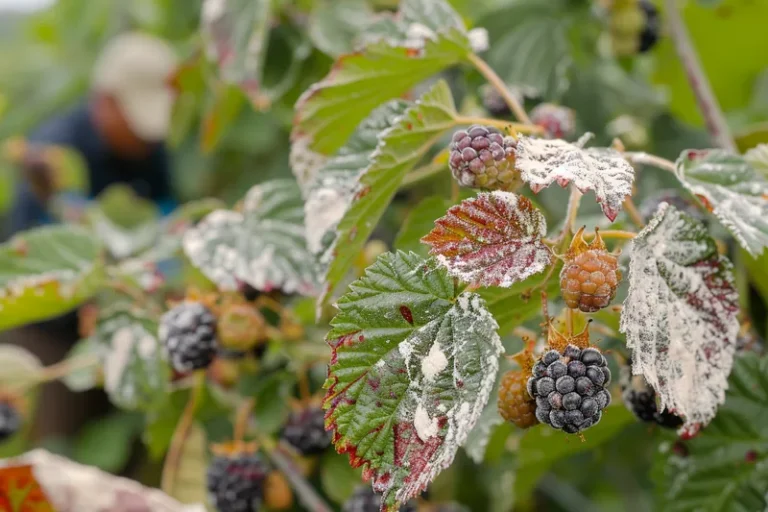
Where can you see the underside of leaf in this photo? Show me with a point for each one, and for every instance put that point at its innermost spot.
(542, 162)
(680, 315)
(494, 239)
(412, 367)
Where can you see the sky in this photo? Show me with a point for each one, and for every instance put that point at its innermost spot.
(24, 5)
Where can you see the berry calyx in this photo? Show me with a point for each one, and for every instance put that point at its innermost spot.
(481, 157)
(236, 478)
(568, 383)
(590, 276)
(640, 398)
(557, 121)
(305, 431)
(188, 333)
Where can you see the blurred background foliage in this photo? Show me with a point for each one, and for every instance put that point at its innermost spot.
(552, 50)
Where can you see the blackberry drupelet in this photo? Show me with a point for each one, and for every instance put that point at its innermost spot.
(188, 333)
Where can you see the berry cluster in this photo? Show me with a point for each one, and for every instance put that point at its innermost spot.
(569, 388)
(188, 333)
(305, 431)
(365, 499)
(482, 158)
(236, 482)
(640, 399)
(515, 404)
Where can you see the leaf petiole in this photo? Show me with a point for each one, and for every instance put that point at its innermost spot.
(489, 74)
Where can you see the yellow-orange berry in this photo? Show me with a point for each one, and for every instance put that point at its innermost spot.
(588, 282)
(515, 404)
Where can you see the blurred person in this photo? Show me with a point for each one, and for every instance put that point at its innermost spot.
(119, 132)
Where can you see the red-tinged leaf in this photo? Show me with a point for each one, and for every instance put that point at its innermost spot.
(494, 239)
(543, 162)
(21, 492)
(680, 315)
(411, 370)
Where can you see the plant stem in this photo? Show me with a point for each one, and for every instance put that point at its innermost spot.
(573, 209)
(500, 86)
(507, 126)
(56, 371)
(304, 391)
(705, 98)
(171, 465)
(305, 492)
(241, 421)
(545, 313)
(634, 214)
(423, 173)
(455, 191)
(648, 159)
(569, 321)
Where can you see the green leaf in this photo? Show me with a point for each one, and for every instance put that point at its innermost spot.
(680, 315)
(542, 446)
(728, 185)
(236, 37)
(399, 149)
(136, 375)
(335, 24)
(411, 370)
(125, 222)
(46, 272)
(20, 367)
(338, 479)
(757, 157)
(724, 467)
(512, 306)
(89, 377)
(731, 61)
(189, 484)
(419, 222)
(529, 46)
(107, 443)
(262, 245)
(273, 399)
(331, 189)
(325, 116)
(224, 105)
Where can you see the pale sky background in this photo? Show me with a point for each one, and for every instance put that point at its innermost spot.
(25, 5)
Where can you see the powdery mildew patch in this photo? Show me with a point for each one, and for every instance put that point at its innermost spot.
(494, 239)
(680, 315)
(729, 186)
(542, 162)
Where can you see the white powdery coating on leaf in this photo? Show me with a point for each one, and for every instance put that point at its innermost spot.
(117, 360)
(478, 40)
(220, 264)
(434, 363)
(213, 10)
(305, 162)
(680, 316)
(494, 239)
(736, 193)
(542, 162)
(324, 208)
(426, 427)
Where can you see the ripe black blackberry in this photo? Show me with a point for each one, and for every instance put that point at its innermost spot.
(365, 499)
(188, 332)
(640, 398)
(236, 482)
(10, 420)
(481, 157)
(569, 388)
(305, 431)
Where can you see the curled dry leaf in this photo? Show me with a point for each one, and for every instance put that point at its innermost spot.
(494, 239)
(542, 162)
(680, 315)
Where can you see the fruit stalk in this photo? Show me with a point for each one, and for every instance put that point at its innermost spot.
(484, 69)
